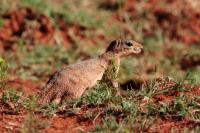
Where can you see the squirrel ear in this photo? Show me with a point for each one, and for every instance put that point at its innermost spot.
(111, 46)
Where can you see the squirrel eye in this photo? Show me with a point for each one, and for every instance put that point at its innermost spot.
(129, 44)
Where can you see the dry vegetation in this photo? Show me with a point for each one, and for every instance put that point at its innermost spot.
(160, 91)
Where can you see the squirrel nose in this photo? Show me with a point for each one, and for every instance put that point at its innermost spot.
(141, 47)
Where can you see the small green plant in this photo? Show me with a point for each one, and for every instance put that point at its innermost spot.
(189, 77)
(3, 71)
(129, 106)
(30, 104)
(108, 125)
(149, 90)
(12, 99)
(51, 109)
(180, 106)
(96, 96)
(11, 95)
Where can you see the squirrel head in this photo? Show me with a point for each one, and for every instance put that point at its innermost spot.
(124, 47)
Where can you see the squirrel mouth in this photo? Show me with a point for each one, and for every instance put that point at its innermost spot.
(141, 51)
(138, 52)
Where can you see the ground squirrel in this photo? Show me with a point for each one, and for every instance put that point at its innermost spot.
(73, 80)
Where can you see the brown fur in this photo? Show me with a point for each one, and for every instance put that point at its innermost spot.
(73, 80)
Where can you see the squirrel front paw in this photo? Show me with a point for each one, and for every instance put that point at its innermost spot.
(115, 84)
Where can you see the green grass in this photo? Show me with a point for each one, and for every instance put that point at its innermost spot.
(3, 71)
(96, 96)
(126, 113)
(11, 95)
(39, 62)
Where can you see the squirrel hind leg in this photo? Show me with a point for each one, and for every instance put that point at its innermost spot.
(58, 98)
(62, 96)
(46, 97)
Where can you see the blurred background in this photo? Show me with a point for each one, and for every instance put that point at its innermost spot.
(38, 37)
